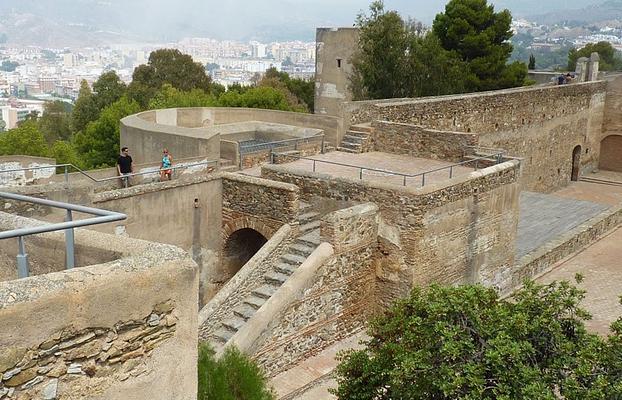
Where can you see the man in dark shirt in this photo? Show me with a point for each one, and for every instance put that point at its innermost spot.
(124, 166)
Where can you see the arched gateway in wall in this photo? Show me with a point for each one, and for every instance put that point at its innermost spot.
(240, 247)
(611, 153)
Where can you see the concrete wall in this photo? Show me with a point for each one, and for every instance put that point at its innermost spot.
(20, 178)
(333, 54)
(125, 329)
(166, 213)
(540, 124)
(147, 139)
(459, 231)
(332, 126)
(194, 132)
(417, 141)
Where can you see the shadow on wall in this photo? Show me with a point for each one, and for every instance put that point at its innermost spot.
(240, 247)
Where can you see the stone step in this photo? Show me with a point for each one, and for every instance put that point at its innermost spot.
(286, 269)
(301, 249)
(364, 127)
(234, 323)
(276, 278)
(309, 226)
(311, 238)
(244, 311)
(308, 217)
(347, 150)
(293, 259)
(223, 334)
(353, 139)
(265, 291)
(352, 136)
(254, 301)
(350, 145)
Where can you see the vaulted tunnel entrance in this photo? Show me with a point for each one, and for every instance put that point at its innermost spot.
(240, 247)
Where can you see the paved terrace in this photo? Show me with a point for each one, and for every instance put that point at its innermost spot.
(546, 216)
(402, 164)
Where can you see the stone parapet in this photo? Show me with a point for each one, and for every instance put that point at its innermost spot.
(123, 329)
(273, 203)
(418, 141)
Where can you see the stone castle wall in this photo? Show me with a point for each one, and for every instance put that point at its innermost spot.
(264, 204)
(542, 125)
(417, 141)
(466, 221)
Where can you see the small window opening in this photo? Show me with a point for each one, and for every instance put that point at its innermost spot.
(339, 63)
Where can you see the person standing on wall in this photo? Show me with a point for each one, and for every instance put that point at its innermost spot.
(165, 166)
(125, 166)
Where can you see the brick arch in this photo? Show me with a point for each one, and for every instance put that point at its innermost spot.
(610, 153)
(245, 223)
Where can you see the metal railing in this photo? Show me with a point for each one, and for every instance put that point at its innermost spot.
(101, 217)
(66, 168)
(496, 158)
(256, 147)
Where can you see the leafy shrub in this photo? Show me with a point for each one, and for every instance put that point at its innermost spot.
(234, 376)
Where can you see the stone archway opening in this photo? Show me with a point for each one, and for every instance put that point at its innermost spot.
(576, 163)
(240, 247)
(610, 153)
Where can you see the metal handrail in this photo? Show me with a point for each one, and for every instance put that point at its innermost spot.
(271, 145)
(498, 159)
(66, 166)
(102, 217)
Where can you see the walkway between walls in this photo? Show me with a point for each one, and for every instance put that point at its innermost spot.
(311, 379)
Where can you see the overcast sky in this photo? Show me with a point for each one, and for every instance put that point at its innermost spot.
(242, 19)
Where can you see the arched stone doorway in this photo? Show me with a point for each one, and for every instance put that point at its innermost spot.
(611, 153)
(576, 163)
(240, 247)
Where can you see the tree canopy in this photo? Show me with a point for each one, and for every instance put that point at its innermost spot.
(467, 343)
(55, 122)
(26, 139)
(481, 38)
(466, 50)
(610, 59)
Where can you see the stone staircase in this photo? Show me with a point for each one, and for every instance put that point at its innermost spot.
(357, 139)
(306, 242)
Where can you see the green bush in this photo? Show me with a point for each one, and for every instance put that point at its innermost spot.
(232, 377)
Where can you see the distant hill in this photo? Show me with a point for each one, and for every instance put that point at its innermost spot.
(524, 8)
(608, 11)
